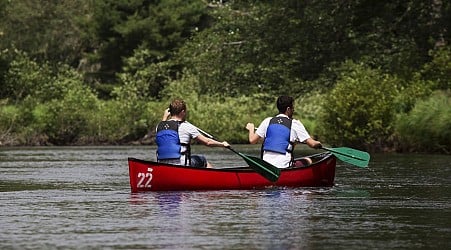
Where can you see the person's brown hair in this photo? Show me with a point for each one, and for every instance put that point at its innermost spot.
(176, 106)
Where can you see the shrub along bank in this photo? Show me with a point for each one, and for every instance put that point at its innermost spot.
(366, 108)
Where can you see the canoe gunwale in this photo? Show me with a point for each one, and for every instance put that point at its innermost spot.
(322, 157)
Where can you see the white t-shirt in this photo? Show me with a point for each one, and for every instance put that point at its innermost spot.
(298, 134)
(187, 131)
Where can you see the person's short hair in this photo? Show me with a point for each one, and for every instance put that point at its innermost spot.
(283, 102)
(176, 106)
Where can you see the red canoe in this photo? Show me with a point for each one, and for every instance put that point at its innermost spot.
(154, 176)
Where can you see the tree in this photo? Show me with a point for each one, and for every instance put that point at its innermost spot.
(286, 45)
(119, 27)
(45, 30)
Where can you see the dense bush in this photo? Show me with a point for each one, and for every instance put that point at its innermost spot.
(24, 77)
(439, 69)
(52, 102)
(134, 109)
(223, 117)
(229, 60)
(359, 111)
(9, 118)
(427, 127)
(307, 109)
(64, 116)
(117, 122)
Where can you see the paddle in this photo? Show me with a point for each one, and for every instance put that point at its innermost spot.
(269, 171)
(352, 156)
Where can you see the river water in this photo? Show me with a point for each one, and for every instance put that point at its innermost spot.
(79, 198)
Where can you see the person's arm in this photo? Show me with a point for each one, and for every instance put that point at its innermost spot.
(253, 137)
(211, 142)
(313, 143)
(301, 134)
(166, 115)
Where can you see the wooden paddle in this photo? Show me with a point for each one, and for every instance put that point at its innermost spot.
(349, 155)
(265, 169)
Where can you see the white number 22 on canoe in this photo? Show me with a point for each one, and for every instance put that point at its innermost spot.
(144, 179)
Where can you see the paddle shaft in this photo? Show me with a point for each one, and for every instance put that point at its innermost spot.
(206, 134)
(362, 162)
(260, 166)
(212, 137)
(233, 150)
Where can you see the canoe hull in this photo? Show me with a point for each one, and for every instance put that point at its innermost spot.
(154, 176)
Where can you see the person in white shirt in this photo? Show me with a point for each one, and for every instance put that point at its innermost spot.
(280, 134)
(174, 135)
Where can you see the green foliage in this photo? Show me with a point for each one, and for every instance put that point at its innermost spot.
(117, 28)
(273, 46)
(18, 126)
(143, 78)
(53, 102)
(132, 112)
(439, 69)
(226, 118)
(4, 64)
(65, 119)
(307, 108)
(252, 47)
(38, 82)
(25, 76)
(217, 55)
(187, 87)
(46, 30)
(223, 117)
(114, 122)
(359, 110)
(427, 127)
(412, 91)
(397, 35)
(228, 59)
(9, 117)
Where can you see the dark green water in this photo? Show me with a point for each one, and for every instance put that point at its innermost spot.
(79, 198)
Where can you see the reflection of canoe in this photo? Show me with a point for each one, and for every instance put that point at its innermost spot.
(154, 176)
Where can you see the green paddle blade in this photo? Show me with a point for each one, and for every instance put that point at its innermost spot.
(262, 167)
(352, 156)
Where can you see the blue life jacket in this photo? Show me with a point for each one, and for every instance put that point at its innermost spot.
(278, 135)
(168, 140)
